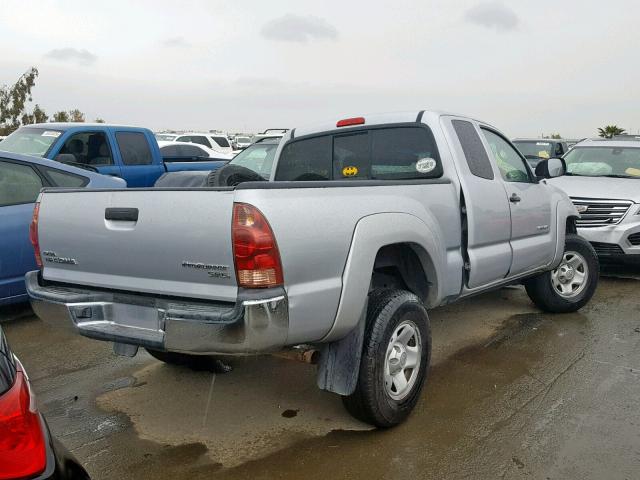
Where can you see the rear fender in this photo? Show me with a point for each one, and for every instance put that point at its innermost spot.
(370, 235)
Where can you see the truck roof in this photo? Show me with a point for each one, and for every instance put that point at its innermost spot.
(70, 125)
(410, 116)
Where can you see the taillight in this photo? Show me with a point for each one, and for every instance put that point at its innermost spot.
(22, 445)
(347, 122)
(33, 234)
(255, 251)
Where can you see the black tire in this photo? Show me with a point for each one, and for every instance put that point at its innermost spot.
(371, 402)
(548, 298)
(206, 363)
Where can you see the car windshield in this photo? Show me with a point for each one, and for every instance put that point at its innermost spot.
(604, 161)
(534, 148)
(258, 157)
(30, 141)
(243, 139)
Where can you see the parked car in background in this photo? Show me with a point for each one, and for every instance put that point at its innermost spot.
(128, 152)
(603, 181)
(241, 143)
(185, 151)
(258, 157)
(166, 137)
(21, 179)
(27, 448)
(536, 149)
(356, 228)
(270, 133)
(213, 141)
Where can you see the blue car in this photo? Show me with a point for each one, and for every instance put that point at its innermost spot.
(21, 178)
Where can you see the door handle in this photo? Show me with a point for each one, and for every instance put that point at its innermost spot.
(121, 214)
(514, 198)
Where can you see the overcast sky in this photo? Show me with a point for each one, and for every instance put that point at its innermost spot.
(527, 66)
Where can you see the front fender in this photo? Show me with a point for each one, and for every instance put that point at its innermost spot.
(565, 209)
(370, 235)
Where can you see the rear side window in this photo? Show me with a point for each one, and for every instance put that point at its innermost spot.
(134, 148)
(169, 151)
(65, 179)
(473, 149)
(221, 141)
(395, 153)
(18, 184)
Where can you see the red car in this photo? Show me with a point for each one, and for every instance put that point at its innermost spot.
(27, 449)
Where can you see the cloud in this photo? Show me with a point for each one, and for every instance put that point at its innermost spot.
(294, 28)
(493, 15)
(81, 57)
(175, 42)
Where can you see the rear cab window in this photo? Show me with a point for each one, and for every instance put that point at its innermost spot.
(373, 153)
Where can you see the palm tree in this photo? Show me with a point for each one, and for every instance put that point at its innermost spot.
(610, 131)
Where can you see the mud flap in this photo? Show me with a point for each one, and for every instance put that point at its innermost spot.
(339, 363)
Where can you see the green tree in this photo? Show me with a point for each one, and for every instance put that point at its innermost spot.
(610, 131)
(99, 120)
(76, 116)
(37, 116)
(60, 116)
(13, 99)
(556, 136)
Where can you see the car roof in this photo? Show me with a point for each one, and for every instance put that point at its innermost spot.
(165, 143)
(206, 134)
(549, 140)
(601, 142)
(72, 125)
(48, 163)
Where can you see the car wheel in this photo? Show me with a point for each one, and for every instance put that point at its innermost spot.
(395, 359)
(195, 362)
(571, 284)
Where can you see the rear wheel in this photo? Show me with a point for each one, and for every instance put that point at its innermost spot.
(572, 284)
(395, 359)
(195, 362)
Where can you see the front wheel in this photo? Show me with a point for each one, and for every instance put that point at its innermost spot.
(571, 285)
(395, 359)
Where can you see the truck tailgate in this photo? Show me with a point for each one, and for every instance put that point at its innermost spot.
(166, 242)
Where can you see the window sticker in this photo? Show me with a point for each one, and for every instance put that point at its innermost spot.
(425, 165)
(350, 171)
(543, 144)
(49, 133)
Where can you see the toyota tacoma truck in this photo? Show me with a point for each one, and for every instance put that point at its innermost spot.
(343, 243)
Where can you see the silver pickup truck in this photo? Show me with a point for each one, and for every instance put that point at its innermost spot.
(340, 238)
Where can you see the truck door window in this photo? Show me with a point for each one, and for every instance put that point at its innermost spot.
(134, 148)
(511, 165)
(473, 150)
(88, 148)
(18, 184)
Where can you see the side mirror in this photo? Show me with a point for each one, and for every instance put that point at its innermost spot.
(551, 168)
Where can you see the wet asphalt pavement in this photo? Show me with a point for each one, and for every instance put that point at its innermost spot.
(512, 393)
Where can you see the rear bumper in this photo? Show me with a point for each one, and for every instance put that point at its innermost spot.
(257, 323)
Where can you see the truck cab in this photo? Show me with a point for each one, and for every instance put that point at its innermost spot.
(131, 153)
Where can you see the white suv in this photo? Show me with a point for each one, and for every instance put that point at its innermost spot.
(603, 181)
(217, 142)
